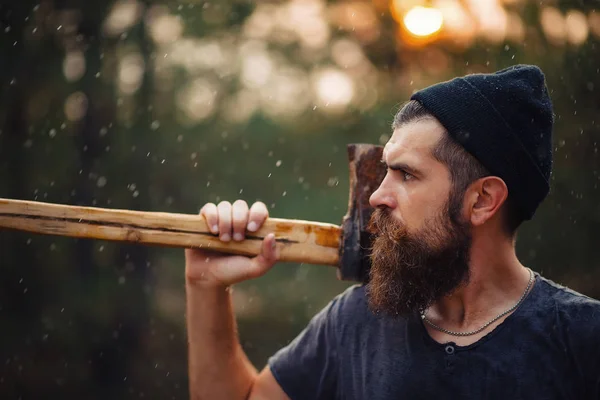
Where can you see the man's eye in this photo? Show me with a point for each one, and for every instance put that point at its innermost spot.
(406, 176)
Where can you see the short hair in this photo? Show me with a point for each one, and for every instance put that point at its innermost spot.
(463, 166)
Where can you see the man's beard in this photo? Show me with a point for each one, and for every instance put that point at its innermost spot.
(410, 271)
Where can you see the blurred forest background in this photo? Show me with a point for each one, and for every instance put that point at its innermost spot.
(166, 105)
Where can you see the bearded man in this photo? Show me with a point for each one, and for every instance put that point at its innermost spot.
(449, 311)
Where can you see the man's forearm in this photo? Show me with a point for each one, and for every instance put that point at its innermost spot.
(218, 367)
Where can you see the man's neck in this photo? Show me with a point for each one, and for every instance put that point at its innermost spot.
(497, 281)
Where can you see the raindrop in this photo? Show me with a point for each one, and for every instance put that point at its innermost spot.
(103, 131)
(59, 28)
(333, 181)
(101, 181)
(7, 29)
(154, 125)
(101, 248)
(269, 175)
(284, 193)
(122, 282)
(52, 133)
(278, 163)
(136, 193)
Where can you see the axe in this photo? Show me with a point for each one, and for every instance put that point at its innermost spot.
(345, 246)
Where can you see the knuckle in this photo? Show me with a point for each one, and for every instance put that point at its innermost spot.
(208, 207)
(240, 202)
(224, 204)
(259, 208)
(259, 204)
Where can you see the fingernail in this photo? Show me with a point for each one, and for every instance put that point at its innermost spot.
(237, 237)
(225, 237)
(252, 226)
(215, 229)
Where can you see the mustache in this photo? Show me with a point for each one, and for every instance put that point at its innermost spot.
(382, 223)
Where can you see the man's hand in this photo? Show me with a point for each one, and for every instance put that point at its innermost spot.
(218, 366)
(230, 222)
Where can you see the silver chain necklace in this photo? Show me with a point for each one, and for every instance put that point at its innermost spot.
(470, 333)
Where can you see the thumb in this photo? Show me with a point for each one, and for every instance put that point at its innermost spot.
(267, 258)
(234, 269)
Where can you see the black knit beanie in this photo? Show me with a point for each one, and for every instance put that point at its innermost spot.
(504, 120)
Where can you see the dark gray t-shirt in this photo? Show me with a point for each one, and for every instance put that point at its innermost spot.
(549, 348)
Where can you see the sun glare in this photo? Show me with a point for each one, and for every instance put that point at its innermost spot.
(423, 21)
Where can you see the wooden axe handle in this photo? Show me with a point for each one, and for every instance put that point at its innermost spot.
(298, 241)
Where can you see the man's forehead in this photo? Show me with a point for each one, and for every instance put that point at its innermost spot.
(418, 137)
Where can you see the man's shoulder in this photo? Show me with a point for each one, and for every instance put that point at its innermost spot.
(352, 299)
(350, 307)
(571, 305)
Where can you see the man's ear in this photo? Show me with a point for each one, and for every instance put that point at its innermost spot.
(487, 195)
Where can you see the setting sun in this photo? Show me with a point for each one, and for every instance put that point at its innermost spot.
(423, 21)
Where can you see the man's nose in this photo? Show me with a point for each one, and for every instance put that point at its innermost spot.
(382, 197)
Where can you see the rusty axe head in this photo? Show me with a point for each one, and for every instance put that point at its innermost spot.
(366, 174)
